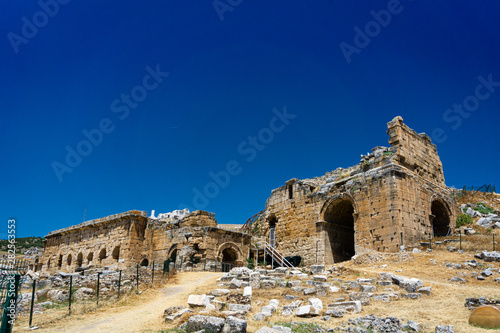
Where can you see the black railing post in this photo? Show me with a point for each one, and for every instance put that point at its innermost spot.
(98, 287)
(32, 302)
(119, 283)
(493, 241)
(153, 274)
(70, 292)
(137, 280)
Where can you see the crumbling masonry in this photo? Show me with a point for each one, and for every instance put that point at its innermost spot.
(394, 196)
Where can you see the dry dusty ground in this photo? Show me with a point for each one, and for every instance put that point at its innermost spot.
(142, 313)
(444, 307)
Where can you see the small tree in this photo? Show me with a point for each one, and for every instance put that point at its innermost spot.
(463, 219)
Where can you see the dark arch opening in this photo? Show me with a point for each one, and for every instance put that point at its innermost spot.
(102, 255)
(229, 256)
(440, 219)
(116, 253)
(90, 257)
(145, 262)
(48, 263)
(59, 262)
(173, 255)
(79, 260)
(272, 230)
(340, 230)
(69, 259)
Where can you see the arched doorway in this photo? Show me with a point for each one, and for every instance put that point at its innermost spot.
(145, 262)
(79, 260)
(440, 219)
(90, 257)
(102, 255)
(69, 259)
(340, 231)
(272, 230)
(116, 253)
(229, 257)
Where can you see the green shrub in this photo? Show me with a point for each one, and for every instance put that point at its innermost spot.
(250, 263)
(463, 219)
(483, 209)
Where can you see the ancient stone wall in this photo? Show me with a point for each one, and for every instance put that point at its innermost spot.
(131, 238)
(111, 240)
(394, 196)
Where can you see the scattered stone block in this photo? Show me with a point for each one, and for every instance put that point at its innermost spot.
(235, 325)
(199, 322)
(219, 292)
(247, 292)
(239, 307)
(198, 300)
(346, 306)
(425, 290)
(316, 302)
(235, 284)
(267, 284)
(309, 291)
(317, 269)
(307, 311)
(412, 295)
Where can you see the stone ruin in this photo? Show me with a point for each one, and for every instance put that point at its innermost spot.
(192, 240)
(395, 196)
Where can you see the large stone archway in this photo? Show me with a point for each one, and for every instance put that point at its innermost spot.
(440, 217)
(230, 254)
(336, 231)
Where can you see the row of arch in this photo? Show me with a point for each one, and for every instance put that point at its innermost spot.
(79, 260)
(341, 211)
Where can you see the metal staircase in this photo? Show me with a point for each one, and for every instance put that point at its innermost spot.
(275, 255)
(247, 227)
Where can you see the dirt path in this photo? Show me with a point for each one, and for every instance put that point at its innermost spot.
(145, 316)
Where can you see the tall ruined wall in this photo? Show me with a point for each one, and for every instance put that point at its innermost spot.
(394, 196)
(294, 212)
(415, 151)
(107, 241)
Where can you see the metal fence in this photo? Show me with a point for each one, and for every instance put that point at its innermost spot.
(12, 275)
(484, 188)
(138, 277)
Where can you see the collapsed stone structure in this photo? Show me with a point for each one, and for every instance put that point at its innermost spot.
(131, 238)
(396, 195)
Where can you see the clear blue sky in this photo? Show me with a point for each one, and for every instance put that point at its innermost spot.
(341, 69)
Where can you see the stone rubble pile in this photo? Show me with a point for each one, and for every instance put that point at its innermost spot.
(305, 290)
(474, 302)
(489, 220)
